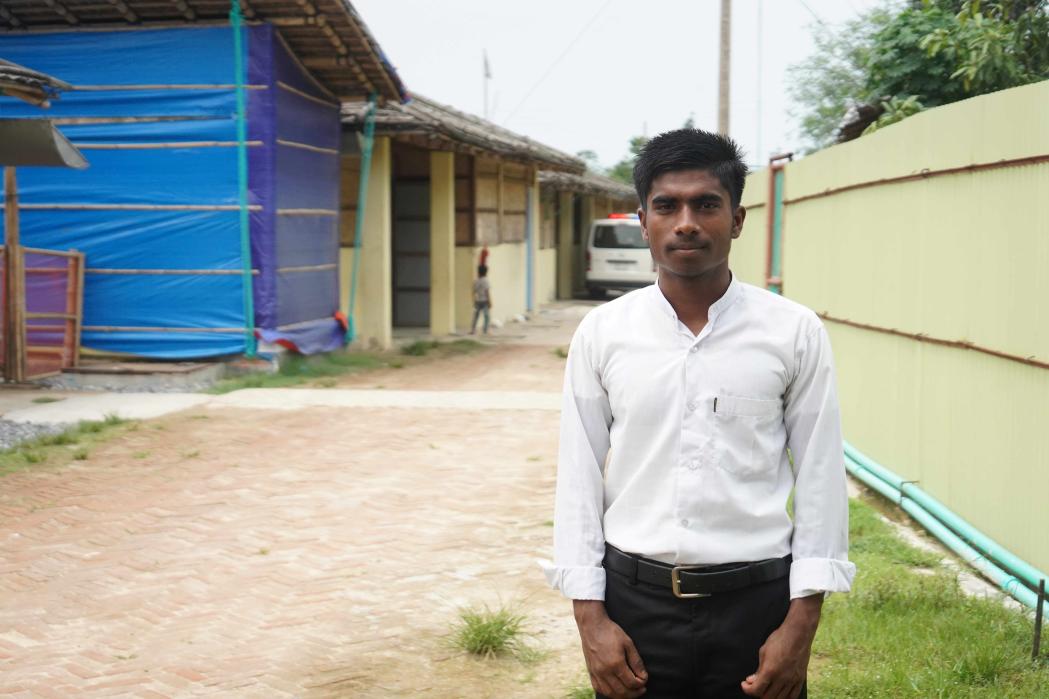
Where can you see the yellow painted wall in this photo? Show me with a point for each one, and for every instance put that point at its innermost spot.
(506, 272)
(374, 307)
(546, 276)
(957, 257)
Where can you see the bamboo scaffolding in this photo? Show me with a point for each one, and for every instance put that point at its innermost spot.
(288, 88)
(171, 272)
(136, 207)
(307, 268)
(307, 212)
(306, 146)
(148, 329)
(165, 145)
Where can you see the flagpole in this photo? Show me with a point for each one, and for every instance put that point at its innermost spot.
(487, 77)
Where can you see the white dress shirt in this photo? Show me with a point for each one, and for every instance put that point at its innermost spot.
(674, 446)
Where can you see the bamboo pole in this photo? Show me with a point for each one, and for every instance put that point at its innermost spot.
(79, 308)
(14, 343)
(138, 207)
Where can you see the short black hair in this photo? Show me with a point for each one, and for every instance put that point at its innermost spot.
(691, 149)
(482, 270)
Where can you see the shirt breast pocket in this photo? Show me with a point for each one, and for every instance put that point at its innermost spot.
(746, 434)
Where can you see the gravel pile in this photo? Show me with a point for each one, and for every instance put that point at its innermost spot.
(14, 433)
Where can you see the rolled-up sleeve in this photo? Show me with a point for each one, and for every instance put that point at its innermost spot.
(820, 543)
(579, 542)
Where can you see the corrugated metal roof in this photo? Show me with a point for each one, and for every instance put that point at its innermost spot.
(328, 36)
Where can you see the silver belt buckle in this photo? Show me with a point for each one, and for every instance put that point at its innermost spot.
(675, 583)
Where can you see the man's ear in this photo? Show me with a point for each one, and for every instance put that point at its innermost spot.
(737, 220)
(641, 218)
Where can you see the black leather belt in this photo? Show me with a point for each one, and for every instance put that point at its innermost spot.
(695, 581)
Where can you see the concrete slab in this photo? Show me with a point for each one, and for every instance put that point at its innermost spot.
(131, 406)
(296, 398)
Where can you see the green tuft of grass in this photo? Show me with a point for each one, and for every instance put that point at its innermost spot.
(298, 369)
(140, 455)
(489, 633)
(580, 690)
(47, 399)
(192, 454)
(561, 352)
(908, 630)
(53, 448)
(419, 348)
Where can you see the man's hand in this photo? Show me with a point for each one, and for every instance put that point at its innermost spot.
(613, 662)
(783, 660)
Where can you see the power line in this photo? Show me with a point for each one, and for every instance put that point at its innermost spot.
(557, 60)
(816, 16)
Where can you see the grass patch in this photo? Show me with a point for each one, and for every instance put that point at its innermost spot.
(907, 630)
(421, 348)
(489, 633)
(298, 369)
(580, 690)
(563, 354)
(56, 449)
(47, 399)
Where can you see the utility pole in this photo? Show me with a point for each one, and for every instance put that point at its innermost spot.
(724, 66)
(759, 155)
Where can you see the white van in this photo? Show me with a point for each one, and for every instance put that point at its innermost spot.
(617, 256)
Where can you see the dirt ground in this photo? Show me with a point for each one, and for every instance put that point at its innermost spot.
(320, 552)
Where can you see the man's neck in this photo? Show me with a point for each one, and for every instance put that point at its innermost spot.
(692, 297)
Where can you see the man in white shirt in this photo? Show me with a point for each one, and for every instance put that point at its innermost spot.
(672, 534)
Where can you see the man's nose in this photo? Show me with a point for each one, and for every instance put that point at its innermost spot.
(686, 223)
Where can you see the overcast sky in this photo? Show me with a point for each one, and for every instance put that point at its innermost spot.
(590, 74)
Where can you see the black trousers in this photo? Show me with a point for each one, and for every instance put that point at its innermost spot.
(699, 648)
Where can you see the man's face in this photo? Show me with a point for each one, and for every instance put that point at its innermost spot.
(689, 223)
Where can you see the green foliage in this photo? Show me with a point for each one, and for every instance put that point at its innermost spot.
(898, 66)
(995, 45)
(825, 84)
(489, 633)
(624, 169)
(419, 348)
(896, 109)
(922, 55)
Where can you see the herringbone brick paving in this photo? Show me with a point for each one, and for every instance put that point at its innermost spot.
(315, 553)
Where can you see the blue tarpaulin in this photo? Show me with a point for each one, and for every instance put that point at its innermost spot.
(157, 212)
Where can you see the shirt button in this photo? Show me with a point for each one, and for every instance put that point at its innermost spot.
(693, 464)
(684, 523)
(691, 406)
(694, 349)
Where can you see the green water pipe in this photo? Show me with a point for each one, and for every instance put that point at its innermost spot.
(237, 22)
(997, 571)
(991, 548)
(358, 223)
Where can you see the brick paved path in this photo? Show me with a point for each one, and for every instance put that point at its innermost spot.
(318, 552)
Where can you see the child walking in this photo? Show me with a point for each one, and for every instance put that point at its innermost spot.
(482, 298)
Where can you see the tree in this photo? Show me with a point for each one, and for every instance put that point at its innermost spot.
(592, 163)
(894, 63)
(826, 84)
(624, 169)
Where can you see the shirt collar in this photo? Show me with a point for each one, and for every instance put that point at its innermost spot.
(731, 295)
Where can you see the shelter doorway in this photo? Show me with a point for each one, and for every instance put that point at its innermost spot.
(411, 238)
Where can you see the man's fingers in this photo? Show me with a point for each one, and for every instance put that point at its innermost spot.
(633, 660)
(755, 685)
(796, 692)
